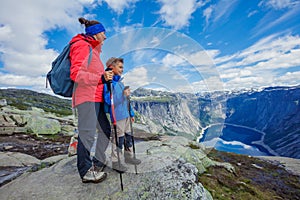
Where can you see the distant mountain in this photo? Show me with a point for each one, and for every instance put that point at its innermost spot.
(275, 111)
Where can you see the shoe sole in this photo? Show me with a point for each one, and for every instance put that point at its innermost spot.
(119, 171)
(95, 181)
(132, 163)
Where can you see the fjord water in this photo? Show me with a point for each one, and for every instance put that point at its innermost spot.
(234, 139)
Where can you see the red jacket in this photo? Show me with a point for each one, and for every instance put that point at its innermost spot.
(88, 82)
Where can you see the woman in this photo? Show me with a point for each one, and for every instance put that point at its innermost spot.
(87, 71)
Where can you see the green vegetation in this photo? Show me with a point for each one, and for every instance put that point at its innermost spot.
(193, 146)
(25, 99)
(249, 182)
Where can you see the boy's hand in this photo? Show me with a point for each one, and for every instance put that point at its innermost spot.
(132, 119)
(108, 75)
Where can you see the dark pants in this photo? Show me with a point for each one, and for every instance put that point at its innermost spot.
(91, 116)
(128, 140)
(124, 141)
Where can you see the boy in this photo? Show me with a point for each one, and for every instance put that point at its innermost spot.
(122, 115)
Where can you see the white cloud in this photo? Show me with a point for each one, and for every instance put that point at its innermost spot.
(213, 83)
(138, 77)
(248, 82)
(278, 4)
(236, 72)
(290, 11)
(22, 39)
(172, 60)
(177, 13)
(252, 13)
(207, 13)
(122, 29)
(119, 5)
(20, 80)
(290, 78)
(259, 64)
(27, 26)
(202, 58)
(199, 58)
(219, 11)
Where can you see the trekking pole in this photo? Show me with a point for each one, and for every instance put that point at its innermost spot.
(132, 138)
(115, 129)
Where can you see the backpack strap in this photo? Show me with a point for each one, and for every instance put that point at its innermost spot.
(91, 52)
(90, 56)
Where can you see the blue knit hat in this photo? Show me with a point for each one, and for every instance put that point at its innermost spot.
(94, 29)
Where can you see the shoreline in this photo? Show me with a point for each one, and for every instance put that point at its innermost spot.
(257, 142)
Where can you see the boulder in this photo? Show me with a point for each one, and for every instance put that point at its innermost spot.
(15, 159)
(44, 126)
(68, 130)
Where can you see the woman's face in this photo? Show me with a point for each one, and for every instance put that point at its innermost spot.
(100, 37)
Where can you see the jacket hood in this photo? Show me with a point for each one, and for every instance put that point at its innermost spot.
(116, 78)
(87, 38)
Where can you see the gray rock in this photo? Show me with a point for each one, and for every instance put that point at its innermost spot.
(15, 159)
(68, 130)
(290, 164)
(164, 173)
(36, 120)
(54, 159)
(3, 102)
(7, 130)
(41, 125)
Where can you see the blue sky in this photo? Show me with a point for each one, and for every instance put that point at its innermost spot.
(180, 45)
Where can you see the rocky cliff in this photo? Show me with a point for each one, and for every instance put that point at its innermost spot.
(169, 117)
(175, 113)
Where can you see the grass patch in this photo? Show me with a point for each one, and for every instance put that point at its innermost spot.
(249, 182)
(193, 146)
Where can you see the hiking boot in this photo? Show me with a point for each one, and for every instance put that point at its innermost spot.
(100, 168)
(93, 176)
(132, 160)
(129, 159)
(120, 169)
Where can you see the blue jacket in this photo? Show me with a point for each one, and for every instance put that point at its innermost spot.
(120, 101)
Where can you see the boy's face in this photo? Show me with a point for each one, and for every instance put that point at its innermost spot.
(118, 68)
